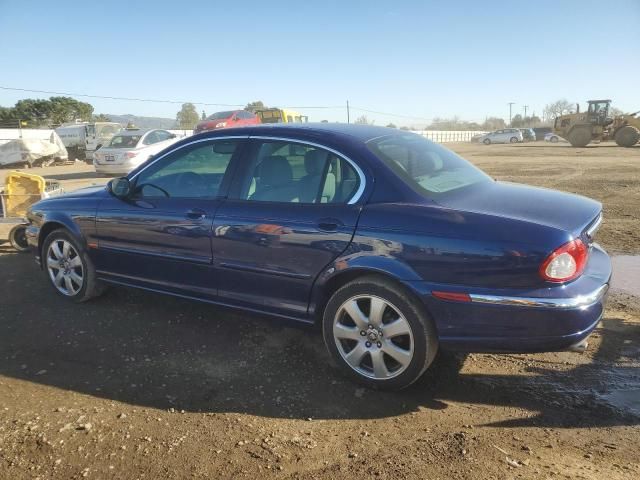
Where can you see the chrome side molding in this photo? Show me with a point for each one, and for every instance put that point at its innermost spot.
(581, 301)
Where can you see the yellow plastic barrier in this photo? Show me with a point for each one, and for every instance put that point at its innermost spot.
(23, 190)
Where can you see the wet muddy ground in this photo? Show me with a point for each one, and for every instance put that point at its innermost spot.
(134, 385)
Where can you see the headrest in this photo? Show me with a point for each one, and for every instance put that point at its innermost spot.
(314, 161)
(275, 171)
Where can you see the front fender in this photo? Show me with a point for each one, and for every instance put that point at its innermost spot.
(76, 217)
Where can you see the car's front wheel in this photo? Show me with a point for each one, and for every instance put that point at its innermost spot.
(378, 334)
(486, 141)
(513, 140)
(69, 268)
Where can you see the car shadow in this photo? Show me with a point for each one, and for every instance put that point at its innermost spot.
(162, 352)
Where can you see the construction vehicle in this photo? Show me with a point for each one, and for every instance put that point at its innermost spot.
(581, 128)
(625, 129)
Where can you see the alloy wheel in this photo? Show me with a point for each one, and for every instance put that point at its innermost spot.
(373, 337)
(65, 267)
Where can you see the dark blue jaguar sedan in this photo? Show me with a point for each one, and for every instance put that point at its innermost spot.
(394, 245)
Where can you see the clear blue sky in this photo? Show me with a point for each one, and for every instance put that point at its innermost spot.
(417, 58)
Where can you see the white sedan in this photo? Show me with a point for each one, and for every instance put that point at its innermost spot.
(553, 138)
(129, 148)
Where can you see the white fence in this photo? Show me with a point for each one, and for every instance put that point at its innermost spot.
(445, 136)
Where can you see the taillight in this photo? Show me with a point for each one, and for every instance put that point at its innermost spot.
(131, 154)
(566, 262)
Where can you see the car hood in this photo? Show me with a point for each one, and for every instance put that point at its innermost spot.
(82, 192)
(563, 211)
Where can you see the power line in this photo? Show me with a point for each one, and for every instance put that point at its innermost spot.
(151, 100)
(390, 114)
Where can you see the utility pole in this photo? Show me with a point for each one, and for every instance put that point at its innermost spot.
(525, 112)
(510, 105)
(348, 119)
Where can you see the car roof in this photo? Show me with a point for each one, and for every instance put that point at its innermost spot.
(360, 132)
(129, 132)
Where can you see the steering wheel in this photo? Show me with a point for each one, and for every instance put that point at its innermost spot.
(190, 180)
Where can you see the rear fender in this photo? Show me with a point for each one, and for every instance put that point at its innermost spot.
(351, 266)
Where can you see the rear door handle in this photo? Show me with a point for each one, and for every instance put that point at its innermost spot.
(196, 214)
(329, 224)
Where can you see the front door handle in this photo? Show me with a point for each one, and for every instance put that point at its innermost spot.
(329, 224)
(196, 214)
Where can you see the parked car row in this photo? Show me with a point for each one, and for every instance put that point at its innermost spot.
(514, 135)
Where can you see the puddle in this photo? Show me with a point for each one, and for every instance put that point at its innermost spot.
(627, 400)
(626, 274)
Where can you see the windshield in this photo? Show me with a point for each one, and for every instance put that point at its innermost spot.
(425, 166)
(219, 116)
(124, 141)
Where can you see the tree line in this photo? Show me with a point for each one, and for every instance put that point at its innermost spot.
(37, 113)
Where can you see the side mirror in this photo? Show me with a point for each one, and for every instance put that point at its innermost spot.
(120, 187)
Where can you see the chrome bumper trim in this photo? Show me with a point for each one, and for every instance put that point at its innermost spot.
(581, 301)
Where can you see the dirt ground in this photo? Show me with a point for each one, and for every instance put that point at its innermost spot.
(135, 385)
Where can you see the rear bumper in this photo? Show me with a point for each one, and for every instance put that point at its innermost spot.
(115, 169)
(504, 320)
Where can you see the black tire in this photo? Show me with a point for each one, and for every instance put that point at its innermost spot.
(18, 238)
(513, 140)
(554, 140)
(580, 136)
(423, 332)
(91, 287)
(627, 136)
(487, 141)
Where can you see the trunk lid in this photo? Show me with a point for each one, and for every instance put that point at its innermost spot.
(568, 212)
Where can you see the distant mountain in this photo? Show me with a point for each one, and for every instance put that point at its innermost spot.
(143, 122)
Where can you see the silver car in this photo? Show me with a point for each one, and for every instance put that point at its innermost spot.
(129, 148)
(506, 135)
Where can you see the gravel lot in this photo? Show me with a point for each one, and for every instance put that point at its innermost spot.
(136, 385)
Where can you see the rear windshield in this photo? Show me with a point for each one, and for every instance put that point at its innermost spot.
(106, 131)
(425, 166)
(219, 115)
(125, 141)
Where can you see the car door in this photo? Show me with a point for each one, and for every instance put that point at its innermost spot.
(160, 237)
(291, 211)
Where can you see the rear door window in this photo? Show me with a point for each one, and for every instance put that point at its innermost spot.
(280, 171)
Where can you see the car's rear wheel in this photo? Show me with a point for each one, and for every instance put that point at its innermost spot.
(553, 139)
(486, 141)
(378, 334)
(69, 268)
(513, 140)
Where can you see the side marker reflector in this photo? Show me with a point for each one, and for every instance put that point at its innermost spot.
(454, 296)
